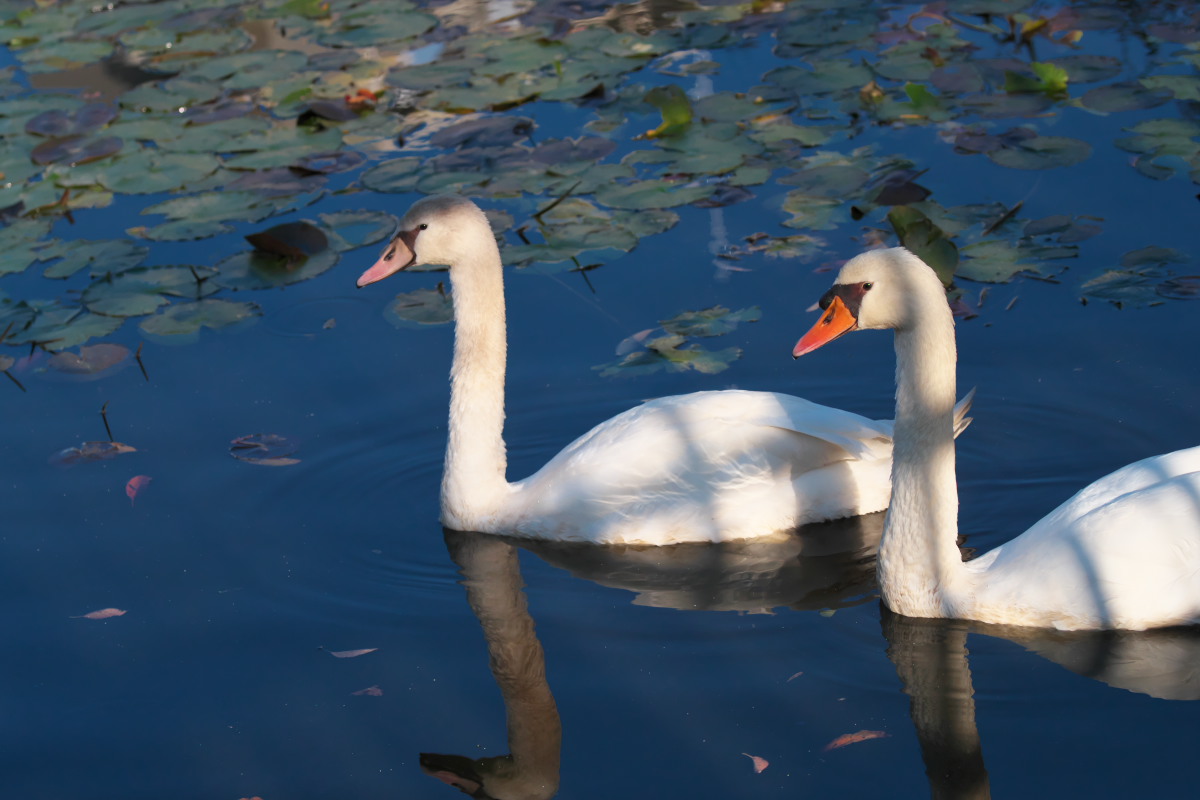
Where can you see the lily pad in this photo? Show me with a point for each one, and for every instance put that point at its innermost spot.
(91, 360)
(349, 230)
(258, 270)
(714, 321)
(655, 193)
(115, 255)
(666, 353)
(139, 291)
(420, 307)
(183, 321)
(1042, 152)
(291, 239)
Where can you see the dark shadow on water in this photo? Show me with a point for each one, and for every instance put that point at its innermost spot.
(825, 565)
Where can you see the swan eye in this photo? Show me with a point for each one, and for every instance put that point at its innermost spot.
(423, 226)
(867, 286)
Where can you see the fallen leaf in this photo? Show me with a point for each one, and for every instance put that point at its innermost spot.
(90, 451)
(759, 763)
(372, 691)
(853, 738)
(352, 653)
(90, 360)
(103, 613)
(264, 449)
(797, 675)
(135, 485)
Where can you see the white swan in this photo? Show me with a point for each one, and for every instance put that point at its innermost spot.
(1122, 553)
(704, 467)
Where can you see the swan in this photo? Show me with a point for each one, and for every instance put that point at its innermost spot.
(705, 467)
(1123, 553)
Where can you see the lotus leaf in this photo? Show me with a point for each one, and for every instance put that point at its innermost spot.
(377, 23)
(650, 194)
(1182, 87)
(59, 328)
(1132, 96)
(665, 353)
(993, 261)
(184, 321)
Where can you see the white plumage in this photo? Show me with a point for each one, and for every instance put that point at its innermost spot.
(703, 467)
(1122, 553)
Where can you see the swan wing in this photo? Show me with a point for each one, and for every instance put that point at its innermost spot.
(708, 466)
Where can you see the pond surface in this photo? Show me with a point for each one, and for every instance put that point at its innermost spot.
(605, 672)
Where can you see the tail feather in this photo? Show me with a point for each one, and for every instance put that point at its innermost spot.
(961, 408)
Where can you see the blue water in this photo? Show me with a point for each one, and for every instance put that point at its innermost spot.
(666, 668)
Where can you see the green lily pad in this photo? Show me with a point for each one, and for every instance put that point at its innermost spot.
(656, 193)
(60, 328)
(115, 255)
(183, 321)
(399, 175)
(58, 123)
(153, 171)
(180, 230)
(258, 270)
(139, 291)
(666, 353)
(1131, 96)
(714, 321)
(992, 261)
(929, 242)
(73, 150)
(21, 243)
(349, 230)
(420, 307)
(1042, 152)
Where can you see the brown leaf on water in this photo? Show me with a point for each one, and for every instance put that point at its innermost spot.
(292, 239)
(371, 691)
(853, 738)
(759, 763)
(352, 653)
(90, 451)
(135, 485)
(91, 359)
(265, 449)
(103, 613)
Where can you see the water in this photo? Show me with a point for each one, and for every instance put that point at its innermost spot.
(611, 673)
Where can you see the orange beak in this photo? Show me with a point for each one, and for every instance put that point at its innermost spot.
(836, 320)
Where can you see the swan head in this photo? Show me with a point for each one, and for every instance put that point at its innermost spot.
(440, 229)
(879, 289)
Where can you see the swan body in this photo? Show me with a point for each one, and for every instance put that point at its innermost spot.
(1122, 553)
(704, 467)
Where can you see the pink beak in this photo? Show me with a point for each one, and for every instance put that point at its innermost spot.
(398, 255)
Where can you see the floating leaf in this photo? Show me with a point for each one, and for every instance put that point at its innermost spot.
(665, 353)
(928, 241)
(352, 229)
(292, 239)
(111, 256)
(675, 108)
(135, 485)
(255, 269)
(74, 150)
(1131, 96)
(370, 691)
(90, 451)
(56, 122)
(760, 763)
(184, 320)
(853, 738)
(423, 307)
(650, 194)
(265, 449)
(352, 653)
(1184, 287)
(1042, 152)
(180, 230)
(714, 321)
(103, 613)
(90, 360)
(142, 290)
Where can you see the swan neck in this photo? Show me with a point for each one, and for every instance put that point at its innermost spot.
(473, 482)
(920, 569)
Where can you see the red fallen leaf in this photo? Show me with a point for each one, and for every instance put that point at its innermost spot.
(853, 738)
(759, 763)
(135, 485)
(961, 309)
(103, 613)
(372, 691)
(352, 653)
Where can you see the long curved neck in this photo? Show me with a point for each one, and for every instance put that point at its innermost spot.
(473, 483)
(920, 569)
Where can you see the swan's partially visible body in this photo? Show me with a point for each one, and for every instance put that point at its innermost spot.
(1122, 553)
(704, 467)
